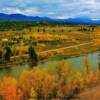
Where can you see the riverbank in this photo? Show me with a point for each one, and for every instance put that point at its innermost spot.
(66, 52)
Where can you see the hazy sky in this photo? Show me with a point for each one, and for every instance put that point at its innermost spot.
(53, 8)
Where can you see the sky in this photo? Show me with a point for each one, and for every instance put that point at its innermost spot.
(53, 8)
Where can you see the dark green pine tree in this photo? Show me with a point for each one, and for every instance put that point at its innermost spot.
(7, 54)
(32, 55)
(0, 56)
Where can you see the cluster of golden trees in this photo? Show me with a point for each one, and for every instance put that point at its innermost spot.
(62, 82)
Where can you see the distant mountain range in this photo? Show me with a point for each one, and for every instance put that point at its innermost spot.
(21, 17)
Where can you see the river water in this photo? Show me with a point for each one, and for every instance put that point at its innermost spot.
(76, 62)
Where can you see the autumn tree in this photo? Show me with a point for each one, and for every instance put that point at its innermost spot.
(25, 84)
(42, 82)
(86, 64)
(8, 89)
(63, 72)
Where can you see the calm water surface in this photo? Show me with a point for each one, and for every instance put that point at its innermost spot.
(76, 62)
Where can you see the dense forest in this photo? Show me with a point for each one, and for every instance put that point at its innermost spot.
(19, 25)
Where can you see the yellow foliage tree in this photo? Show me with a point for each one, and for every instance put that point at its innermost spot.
(42, 82)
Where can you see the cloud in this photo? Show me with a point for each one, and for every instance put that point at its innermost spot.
(29, 11)
(53, 8)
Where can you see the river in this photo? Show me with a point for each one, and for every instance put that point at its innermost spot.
(76, 62)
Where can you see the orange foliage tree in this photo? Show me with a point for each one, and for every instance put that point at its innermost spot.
(8, 89)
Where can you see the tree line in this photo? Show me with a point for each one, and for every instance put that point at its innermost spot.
(6, 53)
